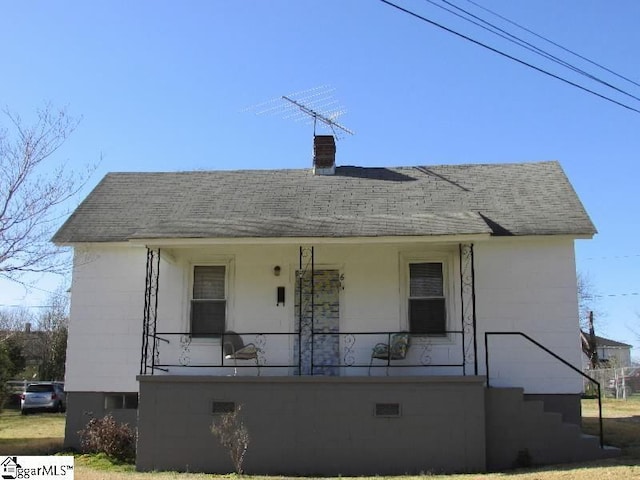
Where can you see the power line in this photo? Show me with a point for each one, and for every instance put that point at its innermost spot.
(510, 57)
(495, 29)
(4, 305)
(554, 43)
(612, 257)
(28, 286)
(526, 45)
(633, 294)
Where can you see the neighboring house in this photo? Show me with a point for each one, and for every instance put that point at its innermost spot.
(35, 344)
(32, 344)
(610, 352)
(317, 269)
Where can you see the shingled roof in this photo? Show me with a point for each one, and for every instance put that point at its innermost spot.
(602, 342)
(497, 199)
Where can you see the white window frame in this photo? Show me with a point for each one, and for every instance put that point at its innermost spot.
(448, 260)
(228, 263)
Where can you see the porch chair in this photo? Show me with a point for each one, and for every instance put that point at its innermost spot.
(396, 349)
(235, 349)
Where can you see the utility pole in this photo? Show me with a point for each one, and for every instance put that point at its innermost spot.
(593, 348)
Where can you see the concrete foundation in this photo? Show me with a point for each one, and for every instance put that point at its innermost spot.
(568, 405)
(522, 433)
(316, 425)
(82, 406)
(324, 425)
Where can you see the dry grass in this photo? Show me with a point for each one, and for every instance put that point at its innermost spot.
(570, 472)
(39, 433)
(621, 422)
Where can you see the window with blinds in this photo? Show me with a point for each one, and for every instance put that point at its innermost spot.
(427, 310)
(208, 301)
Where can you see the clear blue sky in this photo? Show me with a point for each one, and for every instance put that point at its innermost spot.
(163, 86)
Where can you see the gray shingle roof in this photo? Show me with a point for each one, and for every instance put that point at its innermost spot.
(604, 342)
(499, 199)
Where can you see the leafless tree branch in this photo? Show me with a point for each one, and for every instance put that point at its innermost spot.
(32, 191)
(587, 301)
(13, 322)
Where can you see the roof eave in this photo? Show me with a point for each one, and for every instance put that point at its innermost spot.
(192, 242)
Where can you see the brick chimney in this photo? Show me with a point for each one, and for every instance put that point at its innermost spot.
(324, 155)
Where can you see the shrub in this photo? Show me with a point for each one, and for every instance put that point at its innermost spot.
(105, 435)
(233, 435)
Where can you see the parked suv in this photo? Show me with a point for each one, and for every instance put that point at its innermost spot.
(43, 396)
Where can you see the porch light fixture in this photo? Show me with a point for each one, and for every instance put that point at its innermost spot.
(276, 270)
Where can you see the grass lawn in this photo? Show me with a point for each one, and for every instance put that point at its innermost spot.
(42, 434)
(36, 434)
(621, 422)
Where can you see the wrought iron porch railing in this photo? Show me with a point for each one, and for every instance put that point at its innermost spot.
(554, 355)
(323, 353)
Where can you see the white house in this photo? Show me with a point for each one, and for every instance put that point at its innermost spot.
(317, 270)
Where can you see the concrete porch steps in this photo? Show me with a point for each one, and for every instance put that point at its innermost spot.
(519, 433)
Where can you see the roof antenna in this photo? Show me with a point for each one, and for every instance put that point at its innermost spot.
(316, 103)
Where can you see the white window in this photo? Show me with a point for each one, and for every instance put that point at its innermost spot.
(427, 310)
(208, 301)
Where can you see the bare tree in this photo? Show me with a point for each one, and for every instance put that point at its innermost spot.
(635, 329)
(50, 341)
(32, 189)
(13, 322)
(587, 301)
(589, 313)
(12, 360)
(41, 338)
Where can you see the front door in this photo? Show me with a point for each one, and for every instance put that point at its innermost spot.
(318, 323)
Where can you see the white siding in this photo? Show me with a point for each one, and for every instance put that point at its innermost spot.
(529, 285)
(107, 301)
(526, 285)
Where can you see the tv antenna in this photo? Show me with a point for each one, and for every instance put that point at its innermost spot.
(316, 104)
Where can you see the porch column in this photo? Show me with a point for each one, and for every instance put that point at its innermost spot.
(305, 307)
(468, 305)
(149, 354)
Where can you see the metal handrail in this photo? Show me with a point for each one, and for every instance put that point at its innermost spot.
(554, 355)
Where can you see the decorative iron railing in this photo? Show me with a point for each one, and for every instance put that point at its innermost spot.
(333, 353)
(309, 332)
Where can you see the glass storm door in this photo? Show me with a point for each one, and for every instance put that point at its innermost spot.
(319, 323)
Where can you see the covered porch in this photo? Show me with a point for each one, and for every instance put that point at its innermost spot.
(437, 335)
(335, 370)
